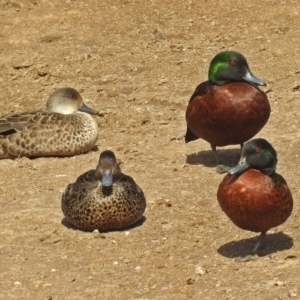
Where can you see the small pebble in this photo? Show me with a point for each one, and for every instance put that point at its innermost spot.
(166, 226)
(190, 281)
(279, 283)
(17, 283)
(200, 270)
(158, 34)
(293, 293)
(168, 203)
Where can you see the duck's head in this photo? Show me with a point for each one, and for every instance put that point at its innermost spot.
(108, 168)
(67, 101)
(229, 66)
(257, 154)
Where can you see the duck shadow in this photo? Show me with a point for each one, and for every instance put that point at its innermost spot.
(273, 242)
(69, 225)
(94, 149)
(228, 157)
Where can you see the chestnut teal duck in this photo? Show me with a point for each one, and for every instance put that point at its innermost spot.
(252, 194)
(229, 108)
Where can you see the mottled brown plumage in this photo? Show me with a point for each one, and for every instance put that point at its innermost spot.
(95, 202)
(64, 128)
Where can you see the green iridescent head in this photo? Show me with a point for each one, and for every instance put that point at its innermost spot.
(229, 66)
(257, 154)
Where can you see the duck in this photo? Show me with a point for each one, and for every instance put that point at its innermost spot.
(104, 198)
(229, 108)
(252, 194)
(64, 128)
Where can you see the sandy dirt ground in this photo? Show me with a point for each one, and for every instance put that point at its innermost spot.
(138, 62)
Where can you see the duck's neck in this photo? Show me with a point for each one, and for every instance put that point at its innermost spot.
(270, 171)
(107, 190)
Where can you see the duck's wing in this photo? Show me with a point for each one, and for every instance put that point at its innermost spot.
(29, 121)
(11, 124)
(86, 178)
(200, 90)
(129, 185)
(84, 183)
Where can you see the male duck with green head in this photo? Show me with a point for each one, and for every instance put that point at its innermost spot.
(229, 108)
(252, 194)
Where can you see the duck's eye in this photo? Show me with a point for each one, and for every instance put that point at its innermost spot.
(232, 62)
(71, 95)
(258, 150)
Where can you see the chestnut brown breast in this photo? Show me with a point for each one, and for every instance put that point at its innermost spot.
(254, 201)
(229, 114)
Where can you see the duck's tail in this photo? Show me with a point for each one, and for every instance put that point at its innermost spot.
(190, 136)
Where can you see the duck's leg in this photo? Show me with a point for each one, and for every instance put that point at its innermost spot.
(249, 257)
(261, 238)
(220, 167)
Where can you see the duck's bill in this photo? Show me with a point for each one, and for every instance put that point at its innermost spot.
(249, 77)
(240, 167)
(107, 178)
(86, 109)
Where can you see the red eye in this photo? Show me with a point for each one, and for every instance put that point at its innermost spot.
(232, 62)
(258, 150)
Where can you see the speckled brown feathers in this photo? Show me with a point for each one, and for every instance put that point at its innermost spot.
(255, 201)
(89, 205)
(47, 134)
(226, 115)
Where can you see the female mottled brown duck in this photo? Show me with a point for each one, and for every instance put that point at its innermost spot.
(104, 199)
(64, 128)
(229, 108)
(252, 194)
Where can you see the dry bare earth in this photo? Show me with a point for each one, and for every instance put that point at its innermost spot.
(142, 82)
